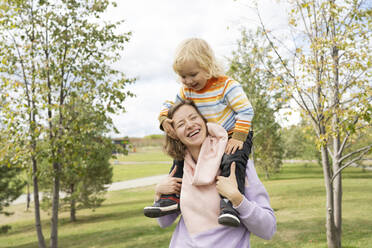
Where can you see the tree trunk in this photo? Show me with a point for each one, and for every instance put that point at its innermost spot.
(39, 231)
(72, 205)
(337, 201)
(330, 222)
(55, 205)
(28, 196)
(337, 182)
(337, 186)
(267, 174)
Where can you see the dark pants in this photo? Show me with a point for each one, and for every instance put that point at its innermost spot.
(240, 157)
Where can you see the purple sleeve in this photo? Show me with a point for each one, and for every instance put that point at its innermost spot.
(167, 220)
(255, 211)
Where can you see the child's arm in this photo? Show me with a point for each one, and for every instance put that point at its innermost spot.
(238, 101)
(165, 123)
(168, 128)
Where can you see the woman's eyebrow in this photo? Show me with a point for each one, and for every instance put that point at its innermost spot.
(178, 121)
(181, 120)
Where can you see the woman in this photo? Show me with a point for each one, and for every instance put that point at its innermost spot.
(202, 145)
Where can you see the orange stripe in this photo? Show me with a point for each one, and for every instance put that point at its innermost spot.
(227, 85)
(243, 125)
(207, 99)
(243, 121)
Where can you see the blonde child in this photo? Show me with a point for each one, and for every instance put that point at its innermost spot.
(219, 99)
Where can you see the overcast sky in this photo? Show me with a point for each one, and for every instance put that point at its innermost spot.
(158, 27)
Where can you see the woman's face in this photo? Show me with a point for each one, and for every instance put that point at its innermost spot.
(189, 126)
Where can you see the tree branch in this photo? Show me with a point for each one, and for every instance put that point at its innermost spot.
(350, 162)
(22, 68)
(355, 152)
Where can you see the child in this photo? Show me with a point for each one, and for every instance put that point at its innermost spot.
(221, 100)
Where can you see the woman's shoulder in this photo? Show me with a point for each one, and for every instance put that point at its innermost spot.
(251, 174)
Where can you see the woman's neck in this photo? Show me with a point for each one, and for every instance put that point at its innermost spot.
(194, 151)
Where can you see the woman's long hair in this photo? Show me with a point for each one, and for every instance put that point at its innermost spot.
(174, 147)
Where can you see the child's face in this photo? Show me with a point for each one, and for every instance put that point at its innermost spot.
(192, 76)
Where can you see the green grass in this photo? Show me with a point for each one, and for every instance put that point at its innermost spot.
(146, 162)
(297, 196)
(145, 154)
(132, 171)
(118, 223)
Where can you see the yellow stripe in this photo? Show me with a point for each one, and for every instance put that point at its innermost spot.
(241, 130)
(225, 115)
(239, 103)
(221, 117)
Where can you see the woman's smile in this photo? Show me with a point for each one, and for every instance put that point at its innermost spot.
(194, 133)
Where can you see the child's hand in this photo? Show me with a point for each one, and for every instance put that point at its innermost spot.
(169, 185)
(233, 145)
(168, 128)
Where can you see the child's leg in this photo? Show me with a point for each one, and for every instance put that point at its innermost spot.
(240, 157)
(228, 215)
(179, 171)
(167, 204)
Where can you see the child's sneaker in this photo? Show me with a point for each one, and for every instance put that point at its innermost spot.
(167, 204)
(228, 215)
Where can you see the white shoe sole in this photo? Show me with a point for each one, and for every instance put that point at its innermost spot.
(155, 212)
(163, 209)
(229, 220)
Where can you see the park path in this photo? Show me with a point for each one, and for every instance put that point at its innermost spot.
(128, 184)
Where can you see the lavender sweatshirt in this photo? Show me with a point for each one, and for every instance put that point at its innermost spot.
(256, 216)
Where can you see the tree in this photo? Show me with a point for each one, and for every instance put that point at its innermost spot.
(299, 142)
(52, 51)
(87, 168)
(247, 66)
(327, 72)
(11, 184)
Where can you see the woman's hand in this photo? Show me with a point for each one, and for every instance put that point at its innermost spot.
(169, 185)
(233, 145)
(168, 128)
(228, 187)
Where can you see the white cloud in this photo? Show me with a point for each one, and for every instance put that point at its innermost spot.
(158, 27)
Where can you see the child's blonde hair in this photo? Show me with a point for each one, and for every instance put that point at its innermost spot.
(198, 50)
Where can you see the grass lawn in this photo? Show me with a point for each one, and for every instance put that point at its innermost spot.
(149, 161)
(124, 172)
(297, 196)
(145, 154)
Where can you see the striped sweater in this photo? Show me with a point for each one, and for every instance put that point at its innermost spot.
(221, 101)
